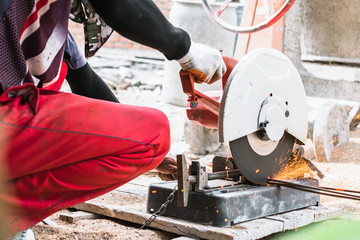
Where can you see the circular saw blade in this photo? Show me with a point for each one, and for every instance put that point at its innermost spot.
(258, 168)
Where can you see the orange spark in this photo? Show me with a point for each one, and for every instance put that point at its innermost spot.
(296, 168)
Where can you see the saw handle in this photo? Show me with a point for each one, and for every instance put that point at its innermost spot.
(204, 109)
(188, 79)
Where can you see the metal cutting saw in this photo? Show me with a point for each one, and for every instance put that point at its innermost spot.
(261, 113)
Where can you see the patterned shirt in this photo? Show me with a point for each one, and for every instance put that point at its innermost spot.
(32, 41)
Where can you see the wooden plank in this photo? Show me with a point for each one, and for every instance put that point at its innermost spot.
(294, 219)
(181, 227)
(134, 211)
(322, 213)
(249, 230)
(303, 217)
(256, 229)
(77, 216)
(49, 222)
(271, 37)
(183, 238)
(247, 19)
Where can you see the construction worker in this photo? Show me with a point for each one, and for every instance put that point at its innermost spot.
(63, 148)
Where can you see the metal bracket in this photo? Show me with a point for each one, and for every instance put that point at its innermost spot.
(183, 181)
(199, 176)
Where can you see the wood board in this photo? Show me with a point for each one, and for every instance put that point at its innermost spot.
(135, 213)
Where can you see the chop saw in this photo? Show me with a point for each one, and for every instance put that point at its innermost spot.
(262, 114)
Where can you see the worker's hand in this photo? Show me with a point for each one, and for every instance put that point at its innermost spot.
(204, 62)
(167, 169)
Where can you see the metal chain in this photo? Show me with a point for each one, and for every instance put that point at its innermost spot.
(161, 210)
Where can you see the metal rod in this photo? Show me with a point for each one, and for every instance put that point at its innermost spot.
(224, 174)
(217, 175)
(333, 192)
(238, 29)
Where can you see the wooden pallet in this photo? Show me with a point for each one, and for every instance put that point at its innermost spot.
(255, 229)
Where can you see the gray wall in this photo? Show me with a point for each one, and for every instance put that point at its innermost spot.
(323, 29)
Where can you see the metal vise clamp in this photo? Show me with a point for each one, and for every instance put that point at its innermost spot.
(196, 178)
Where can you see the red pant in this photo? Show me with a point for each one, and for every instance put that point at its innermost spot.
(63, 149)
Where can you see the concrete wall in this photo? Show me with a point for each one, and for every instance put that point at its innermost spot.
(320, 34)
(331, 28)
(323, 29)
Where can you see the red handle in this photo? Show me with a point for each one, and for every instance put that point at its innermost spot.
(188, 79)
(204, 109)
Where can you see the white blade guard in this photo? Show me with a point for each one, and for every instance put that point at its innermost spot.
(264, 89)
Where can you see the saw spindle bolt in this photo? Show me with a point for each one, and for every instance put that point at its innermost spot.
(262, 132)
(193, 104)
(287, 113)
(263, 125)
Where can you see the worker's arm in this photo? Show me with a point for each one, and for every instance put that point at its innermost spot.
(143, 22)
(81, 77)
(85, 82)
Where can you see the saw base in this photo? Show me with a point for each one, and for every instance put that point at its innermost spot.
(224, 206)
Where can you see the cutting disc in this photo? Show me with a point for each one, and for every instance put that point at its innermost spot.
(259, 160)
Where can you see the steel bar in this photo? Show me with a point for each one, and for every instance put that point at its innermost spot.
(333, 192)
(224, 174)
(217, 175)
(238, 29)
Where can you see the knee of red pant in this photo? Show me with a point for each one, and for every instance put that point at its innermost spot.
(162, 145)
(164, 134)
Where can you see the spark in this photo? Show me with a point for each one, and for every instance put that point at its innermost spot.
(257, 170)
(225, 220)
(153, 191)
(296, 168)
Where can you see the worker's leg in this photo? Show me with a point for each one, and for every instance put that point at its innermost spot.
(74, 149)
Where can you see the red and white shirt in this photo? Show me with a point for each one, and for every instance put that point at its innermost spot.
(32, 41)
